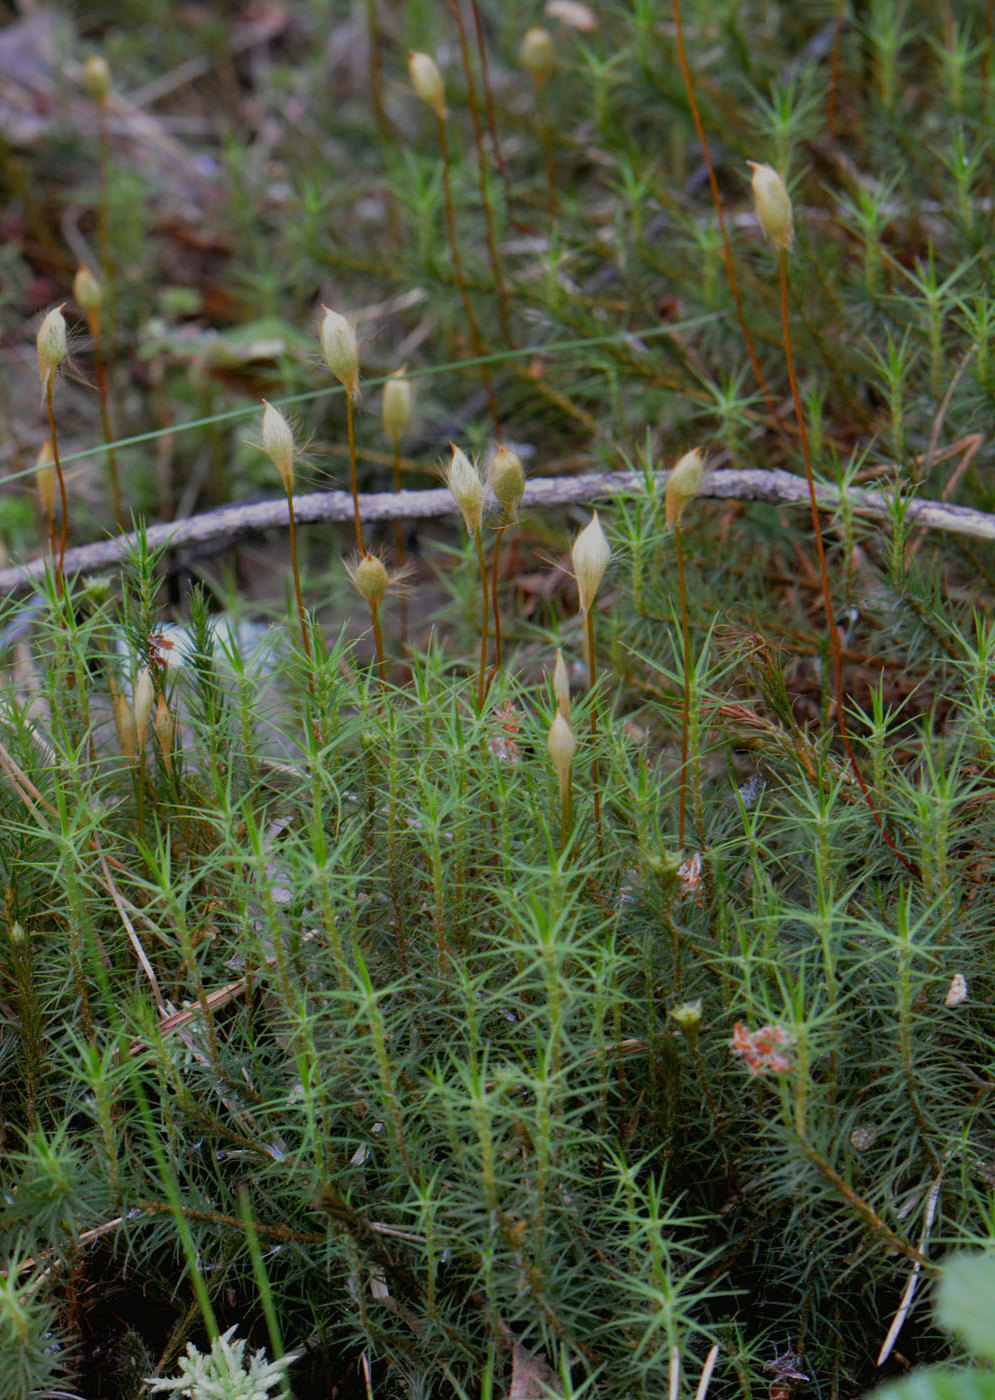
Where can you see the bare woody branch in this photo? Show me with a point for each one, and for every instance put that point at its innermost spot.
(232, 522)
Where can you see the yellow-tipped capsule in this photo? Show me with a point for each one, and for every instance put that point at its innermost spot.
(537, 54)
(683, 484)
(164, 731)
(397, 400)
(96, 590)
(124, 719)
(687, 1014)
(561, 685)
(590, 557)
(278, 444)
(562, 746)
(143, 702)
(340, 351)
(45, 478)
(97, 77)
(371, 579)
(427, 82)
(507, 478)
(52, 344)
(86, 290)
(772, 204)
(466, 487)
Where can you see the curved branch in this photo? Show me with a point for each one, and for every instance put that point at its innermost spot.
(232, 522)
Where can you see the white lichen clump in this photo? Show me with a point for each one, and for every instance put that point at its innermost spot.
(222, 1374)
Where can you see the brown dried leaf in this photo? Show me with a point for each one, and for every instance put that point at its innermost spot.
(532, 1377)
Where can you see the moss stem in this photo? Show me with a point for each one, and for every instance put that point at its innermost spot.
(489, 109)
(592, 671)
(351, 430)
(484, 616)
(824, 573)
(494, 599)
(95, 322)
(302, 616)
(378, 640)
(720, 213)
(400, 550)
(471, 317)
(64, 523)
(485, 198)
(686, 711)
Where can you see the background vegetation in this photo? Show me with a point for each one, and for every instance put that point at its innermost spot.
(322, 1018)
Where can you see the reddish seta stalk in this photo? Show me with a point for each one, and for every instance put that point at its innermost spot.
(471, 316)
(834, 75)
(824, 573)
(686, 711)
(400, 551)
(720, 213)
(491, 118)
(495, 561)
(64, 522)
(485, 198)
(484, 618)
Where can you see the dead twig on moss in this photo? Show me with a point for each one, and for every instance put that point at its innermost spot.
(233, 522)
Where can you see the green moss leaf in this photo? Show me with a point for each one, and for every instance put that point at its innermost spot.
(966, 1301)
(941, 1383)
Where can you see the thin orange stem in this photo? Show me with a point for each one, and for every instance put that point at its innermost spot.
(302, 616)
(485, 198)
(824, 572)
(105, 418)
(399, 546)
(104, 203)
(566, 813)
(489, 109)
(686, 715)
(64, 523)
(720, 212)
(475, 337)
(494, 598)
(485, 616)
(378, 641)
(376, 86)
(592, 672)
(351, 430)
(834, 73)
(548, 151)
